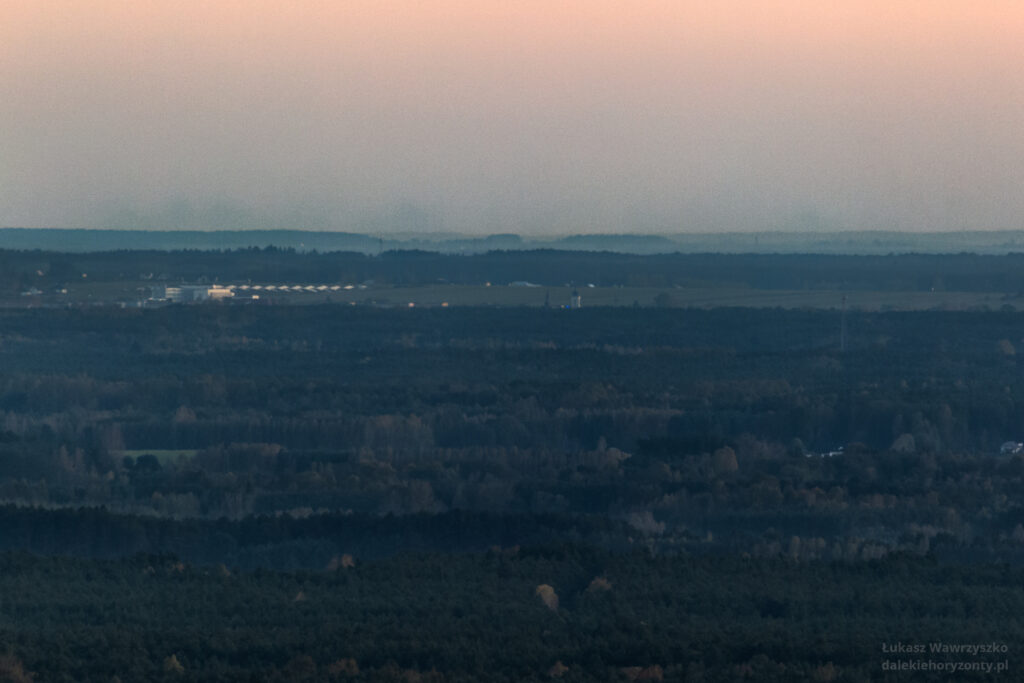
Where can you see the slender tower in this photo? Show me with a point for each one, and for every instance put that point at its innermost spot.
(842, 328)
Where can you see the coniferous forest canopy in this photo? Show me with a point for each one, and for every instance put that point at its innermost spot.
(249, 489)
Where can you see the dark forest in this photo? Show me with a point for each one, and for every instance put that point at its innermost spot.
(238, 491)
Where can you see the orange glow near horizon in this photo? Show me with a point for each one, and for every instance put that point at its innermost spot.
(194, 37)
(480, 103)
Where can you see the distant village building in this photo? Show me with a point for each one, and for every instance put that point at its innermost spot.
(575, 301)
(1012, 448)
(165, 293)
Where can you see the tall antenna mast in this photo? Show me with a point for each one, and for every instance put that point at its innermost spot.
(842, 329)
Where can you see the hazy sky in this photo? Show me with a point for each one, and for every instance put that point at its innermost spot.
(535, 116)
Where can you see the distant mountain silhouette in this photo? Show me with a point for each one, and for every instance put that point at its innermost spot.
(859, 242)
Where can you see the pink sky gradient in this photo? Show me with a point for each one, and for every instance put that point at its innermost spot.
(522, 115)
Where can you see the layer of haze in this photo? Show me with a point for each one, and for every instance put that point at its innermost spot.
(534, 116)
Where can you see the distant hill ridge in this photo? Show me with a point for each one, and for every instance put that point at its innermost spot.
(859, 242)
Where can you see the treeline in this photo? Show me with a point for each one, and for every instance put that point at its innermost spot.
(692, 430)
(312, 542)
(754, 499)
(22, 270)
(348, 378)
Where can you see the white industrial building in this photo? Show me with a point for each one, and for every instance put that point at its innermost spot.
(190, 293)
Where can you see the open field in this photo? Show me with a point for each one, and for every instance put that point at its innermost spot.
(710, 296)
(696, 297)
